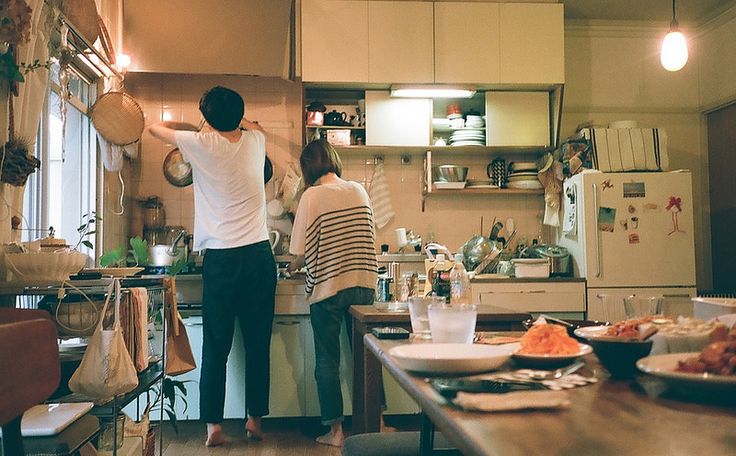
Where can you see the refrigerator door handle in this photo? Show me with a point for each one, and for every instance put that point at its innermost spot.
(597, 233)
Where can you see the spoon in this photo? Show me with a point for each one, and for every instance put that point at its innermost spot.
(549, 375)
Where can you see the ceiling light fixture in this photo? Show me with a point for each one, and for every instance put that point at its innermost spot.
(674, 46)
(432, 91)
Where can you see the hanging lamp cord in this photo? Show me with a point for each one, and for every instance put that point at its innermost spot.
(673, 24)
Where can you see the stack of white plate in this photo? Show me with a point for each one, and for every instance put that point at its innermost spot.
(468, 137)
(523, 175)
(480, 183)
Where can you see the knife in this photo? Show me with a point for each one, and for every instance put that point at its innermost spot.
(449, 387)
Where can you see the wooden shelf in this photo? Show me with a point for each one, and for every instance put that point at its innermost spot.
(336, 127)
(467, 150)
(486, 191)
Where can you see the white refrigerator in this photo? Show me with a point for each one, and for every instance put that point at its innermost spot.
(630, 233)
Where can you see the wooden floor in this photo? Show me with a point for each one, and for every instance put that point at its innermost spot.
(283, 437)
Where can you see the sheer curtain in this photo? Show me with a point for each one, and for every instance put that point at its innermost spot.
(27, 107)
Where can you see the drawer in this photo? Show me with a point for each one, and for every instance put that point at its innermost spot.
(533, 297)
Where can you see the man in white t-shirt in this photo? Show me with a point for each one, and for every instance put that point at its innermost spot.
(239, 274)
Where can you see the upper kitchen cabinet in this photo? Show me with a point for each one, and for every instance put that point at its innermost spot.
(466, 43)
(400, 42)
(532, 39)
(334, 41)
(195, 37)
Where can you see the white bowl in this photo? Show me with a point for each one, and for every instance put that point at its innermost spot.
(451, 358)
(44, 266)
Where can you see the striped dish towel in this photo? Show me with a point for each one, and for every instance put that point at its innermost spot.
(378, 192)
(629, 149)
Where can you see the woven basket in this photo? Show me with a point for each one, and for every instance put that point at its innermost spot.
(82, 14)
(118, 118)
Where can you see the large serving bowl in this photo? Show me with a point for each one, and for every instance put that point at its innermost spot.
(44, 266)
(450, 173)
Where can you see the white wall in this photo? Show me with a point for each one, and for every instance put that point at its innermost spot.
(613, 73)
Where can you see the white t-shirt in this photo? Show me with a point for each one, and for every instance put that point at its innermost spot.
(229, 193)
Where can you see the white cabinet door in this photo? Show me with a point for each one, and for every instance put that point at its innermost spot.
(400, 42)
(534, 297)
(517, 118)
(396, 121)
(466, 42)
(532, 43)
(287, 367)
(334, 41)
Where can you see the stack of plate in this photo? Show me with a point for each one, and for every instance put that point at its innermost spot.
(468, 137)
(480, 183)
(523, 175)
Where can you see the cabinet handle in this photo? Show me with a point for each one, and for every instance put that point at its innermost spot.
(287, 323)
(597, 233)
(533, 291)
(681, 295)
(193, 324)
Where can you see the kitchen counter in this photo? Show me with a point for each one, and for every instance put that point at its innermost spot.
(528, 280)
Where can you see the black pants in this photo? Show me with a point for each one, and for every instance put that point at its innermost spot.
(238, 283)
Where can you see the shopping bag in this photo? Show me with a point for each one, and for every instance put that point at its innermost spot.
(106, 369)
(179, 357)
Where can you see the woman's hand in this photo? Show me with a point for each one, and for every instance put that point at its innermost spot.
(297, 263)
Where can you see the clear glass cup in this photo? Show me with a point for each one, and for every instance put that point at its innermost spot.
(643, 306)
(419, 313)
(452, 324)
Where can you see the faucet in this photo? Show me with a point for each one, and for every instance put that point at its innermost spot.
(174, 250)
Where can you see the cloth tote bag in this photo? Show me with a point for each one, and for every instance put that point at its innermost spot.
(179, 357)
(106, 369)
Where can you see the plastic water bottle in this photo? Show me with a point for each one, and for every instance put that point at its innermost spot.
(460, 292)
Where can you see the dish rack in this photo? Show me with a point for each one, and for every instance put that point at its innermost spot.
(35, 297)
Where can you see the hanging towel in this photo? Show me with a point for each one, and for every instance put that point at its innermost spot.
(140, 327)
(383, 211)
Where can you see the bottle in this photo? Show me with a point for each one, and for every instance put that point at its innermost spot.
(459, 283)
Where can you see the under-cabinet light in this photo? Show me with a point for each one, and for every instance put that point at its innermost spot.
(431, 91)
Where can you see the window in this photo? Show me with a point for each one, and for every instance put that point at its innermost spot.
(65, 188)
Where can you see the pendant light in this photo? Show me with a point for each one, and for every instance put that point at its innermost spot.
(674, 46)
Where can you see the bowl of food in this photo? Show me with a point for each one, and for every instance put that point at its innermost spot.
(619, 346)
(546, 345)
(450, 173)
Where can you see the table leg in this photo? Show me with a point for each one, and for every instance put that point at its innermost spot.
(426, 436)
(358, 378)
(366, 384)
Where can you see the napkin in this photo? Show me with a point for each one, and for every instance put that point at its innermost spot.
(519, 400)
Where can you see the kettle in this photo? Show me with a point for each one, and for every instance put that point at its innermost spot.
(559, 258)
(336, 118)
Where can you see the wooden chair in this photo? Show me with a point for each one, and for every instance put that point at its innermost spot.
(29, 356)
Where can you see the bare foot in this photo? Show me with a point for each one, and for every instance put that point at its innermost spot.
(253, 428)
(385, 427)
(333, 438)
(215, 436)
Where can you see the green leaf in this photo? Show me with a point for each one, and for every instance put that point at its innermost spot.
(177, 267)
(88, 244)
(139, 250)
(89, 233)
(172, 420)
(113, 257)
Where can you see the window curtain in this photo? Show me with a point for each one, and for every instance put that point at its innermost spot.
(27, 107)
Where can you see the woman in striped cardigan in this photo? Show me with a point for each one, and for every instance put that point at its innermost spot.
(334, 236)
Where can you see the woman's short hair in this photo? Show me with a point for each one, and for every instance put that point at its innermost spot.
(319, 158)
(222, 108)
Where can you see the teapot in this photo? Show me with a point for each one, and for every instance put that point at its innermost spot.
(336, 118)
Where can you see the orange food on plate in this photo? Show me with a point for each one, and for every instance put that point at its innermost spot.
(547, 339)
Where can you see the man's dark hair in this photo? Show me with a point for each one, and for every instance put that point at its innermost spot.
(222, 108)
(319, 158)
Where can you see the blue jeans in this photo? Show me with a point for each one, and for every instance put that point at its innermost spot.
(327, 317)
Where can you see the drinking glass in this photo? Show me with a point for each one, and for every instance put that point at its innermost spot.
(452, 324)
(642, 306)
(419, 313)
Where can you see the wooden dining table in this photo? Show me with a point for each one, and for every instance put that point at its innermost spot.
(637, 416)
(367, 368)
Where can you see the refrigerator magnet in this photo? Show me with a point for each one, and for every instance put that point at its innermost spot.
(634, 190)
(674, 207)
(606, 184)
(606, 219)
(624, 223)
(633, 238)
(651, 207)
(634, 223)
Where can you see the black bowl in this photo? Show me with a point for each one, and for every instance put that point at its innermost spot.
(620, 357)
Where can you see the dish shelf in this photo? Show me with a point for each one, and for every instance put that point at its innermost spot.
(485, 191)
(465, 150)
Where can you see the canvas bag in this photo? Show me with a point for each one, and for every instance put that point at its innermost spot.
(179, 357)
(106, 369)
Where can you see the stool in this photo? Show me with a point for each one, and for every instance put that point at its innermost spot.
(391, 443)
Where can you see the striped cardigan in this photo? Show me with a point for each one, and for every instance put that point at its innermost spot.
(334, 230)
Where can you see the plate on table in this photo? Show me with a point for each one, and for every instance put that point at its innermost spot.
(116, 272)
(451, 358)
(663, 367)
(591, 332)
(550, 360)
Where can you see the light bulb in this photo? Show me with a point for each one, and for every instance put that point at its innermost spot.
(123, 61)
(674, 51)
